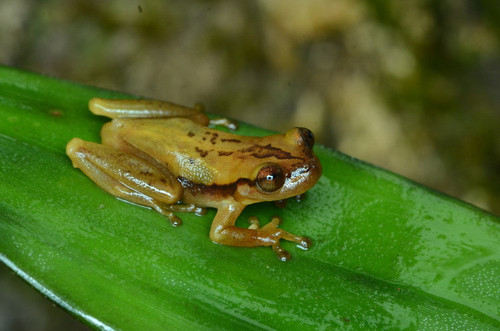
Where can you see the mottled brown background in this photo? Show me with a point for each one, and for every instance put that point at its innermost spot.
(411, 86)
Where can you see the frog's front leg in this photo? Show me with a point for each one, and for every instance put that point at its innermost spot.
(223, 231)
(130, 178)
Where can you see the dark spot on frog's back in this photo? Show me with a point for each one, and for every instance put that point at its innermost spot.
(191, 134)
(225, 140)
(214, 138)
(202, 152)
(222, 153)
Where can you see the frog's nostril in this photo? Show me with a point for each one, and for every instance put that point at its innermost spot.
(307, 137)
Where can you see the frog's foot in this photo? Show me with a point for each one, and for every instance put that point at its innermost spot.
(223, 231)
(281, 253)
(272, 228)
(168, 211)
(164, 210)
(227, 123)
(187, 208)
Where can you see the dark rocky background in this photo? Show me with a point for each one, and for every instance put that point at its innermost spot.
(411, 86)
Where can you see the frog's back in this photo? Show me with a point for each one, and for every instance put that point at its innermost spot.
(195, 152)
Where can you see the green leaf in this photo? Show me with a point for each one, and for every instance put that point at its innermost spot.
(388, 253)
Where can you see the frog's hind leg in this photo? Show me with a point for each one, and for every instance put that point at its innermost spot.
(146, 108)
(129, 178)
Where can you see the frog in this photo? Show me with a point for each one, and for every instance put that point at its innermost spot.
(174, 159)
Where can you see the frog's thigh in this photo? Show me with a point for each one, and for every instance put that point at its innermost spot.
(123, 174)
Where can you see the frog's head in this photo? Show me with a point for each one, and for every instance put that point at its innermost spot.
(287, 167)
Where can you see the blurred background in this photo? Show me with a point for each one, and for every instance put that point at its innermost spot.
(411, 86)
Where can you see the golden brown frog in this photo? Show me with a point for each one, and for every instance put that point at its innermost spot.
(165, 156)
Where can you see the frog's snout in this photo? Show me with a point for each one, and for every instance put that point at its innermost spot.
(307, 137)
(300, 136)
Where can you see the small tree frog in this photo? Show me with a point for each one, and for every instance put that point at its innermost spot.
(165, 156)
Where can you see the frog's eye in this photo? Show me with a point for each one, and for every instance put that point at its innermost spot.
(270, 177)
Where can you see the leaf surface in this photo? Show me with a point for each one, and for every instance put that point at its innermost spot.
(388, 253)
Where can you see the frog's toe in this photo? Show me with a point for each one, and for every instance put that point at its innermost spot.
(275, 234)
(275, 222)
(281, 253)
(305, 242)
(254, 223)
(227, 123)
(174, 220)
(168, 211)
(200, 211)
